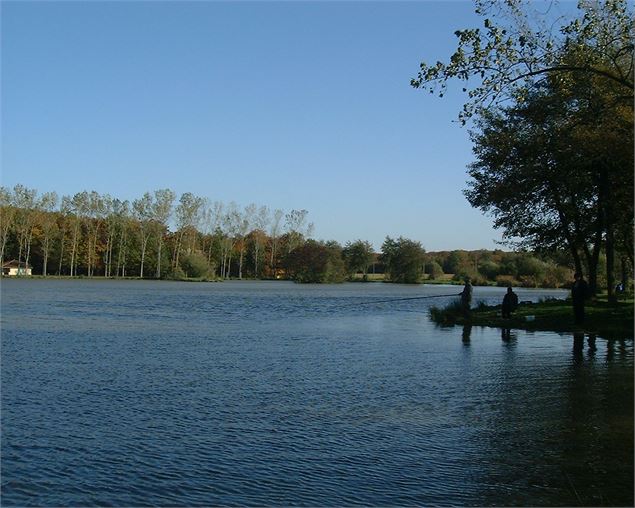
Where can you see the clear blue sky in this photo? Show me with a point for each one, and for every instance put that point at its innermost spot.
(290, 105)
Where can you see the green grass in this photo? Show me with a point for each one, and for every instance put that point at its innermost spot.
(550, 315)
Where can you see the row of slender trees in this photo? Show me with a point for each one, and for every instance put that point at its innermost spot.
(154, 236)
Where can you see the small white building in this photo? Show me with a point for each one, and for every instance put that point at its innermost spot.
(14, 268)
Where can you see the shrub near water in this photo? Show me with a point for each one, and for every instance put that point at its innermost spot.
(195, 265)
(448, 314)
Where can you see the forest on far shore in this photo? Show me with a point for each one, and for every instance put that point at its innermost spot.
(94, 235)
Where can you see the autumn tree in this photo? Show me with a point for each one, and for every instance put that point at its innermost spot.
(24, 202)
(47, 222)
(161, 210)
(314, 261)
(274, 234)
(7, 217)
(296, 228)
(142, 210)
(260, 222)
(188, 215)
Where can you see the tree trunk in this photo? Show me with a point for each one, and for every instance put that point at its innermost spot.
(46, 256)
(606, 209)
(240, 262)
(59, 268)
(143, 255)
(158, 272)
(610, 264)
(257, 249)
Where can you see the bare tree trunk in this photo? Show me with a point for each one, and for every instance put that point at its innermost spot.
(74, 250)
(158, 272)
(257, 251)
(610, 264)
(46, 256)
(240, 260)
(144, 242)
(28, 247)
(59, 268)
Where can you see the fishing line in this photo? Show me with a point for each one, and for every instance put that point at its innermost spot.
(399, 299)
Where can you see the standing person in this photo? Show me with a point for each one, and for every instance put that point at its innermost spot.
(466, 296)
(579, 293)
(510, 302)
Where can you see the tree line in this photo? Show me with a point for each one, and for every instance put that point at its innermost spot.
(162, 237)
(154, 236)
(552, 107)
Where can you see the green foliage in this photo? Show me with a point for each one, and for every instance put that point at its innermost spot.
(176, 274)
(358, 256)
(195, 265)
(433, 269)
(518, 46)
(458, 261)
(506, 281)
(316, 262)
(529, 266)
(404, 260)
(553, 100)
(489, 269)
(447, 315)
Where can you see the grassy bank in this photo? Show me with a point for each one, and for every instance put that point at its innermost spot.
(551, 315)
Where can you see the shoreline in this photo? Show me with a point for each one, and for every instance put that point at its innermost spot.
(603, 319)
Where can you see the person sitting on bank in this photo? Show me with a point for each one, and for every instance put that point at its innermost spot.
(579, 293)
(510, 303)
(466, 296)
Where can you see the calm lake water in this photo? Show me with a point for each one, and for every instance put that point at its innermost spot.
(124, 393)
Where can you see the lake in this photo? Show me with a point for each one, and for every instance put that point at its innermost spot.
(139, 393)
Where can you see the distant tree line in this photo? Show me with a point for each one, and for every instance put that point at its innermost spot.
(154, 236)
(159, 236)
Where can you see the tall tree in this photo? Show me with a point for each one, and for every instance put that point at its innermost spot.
(358, 256)
(188, 216)
(572, 155)
(161, 212)
(7, 217)
(260, 223)
(25, 202)
(95, 216)
(230, 224)
(121, 210)
(404, 259)
(142, 210)
(47, 222)
(78, 213)
(274, 233)
(244, 223)
(296, 228)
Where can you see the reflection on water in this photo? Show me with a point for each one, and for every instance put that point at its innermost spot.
(143, 393)
(508, 336)
(466, 334)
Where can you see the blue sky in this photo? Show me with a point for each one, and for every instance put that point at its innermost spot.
(288, 104)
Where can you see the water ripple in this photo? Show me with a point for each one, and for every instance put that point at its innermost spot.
(168, 394)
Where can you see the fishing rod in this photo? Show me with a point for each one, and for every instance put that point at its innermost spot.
(400, 299)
